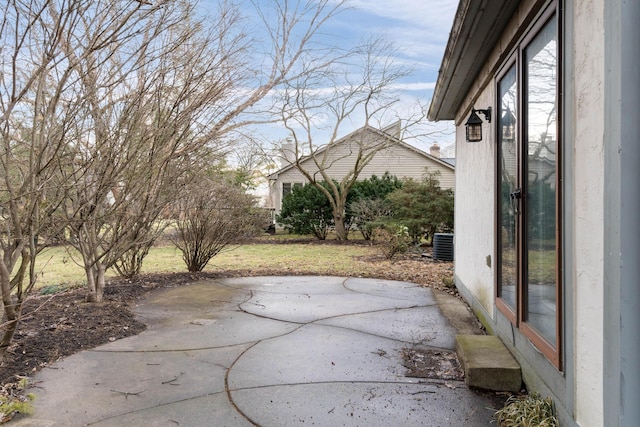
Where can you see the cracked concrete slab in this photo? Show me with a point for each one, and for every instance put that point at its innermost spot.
(421, 326)
(233, 328)
(300, 308)
(316, 353)
(97, 385)
(269, 351)
(210, 410)
(365, 404)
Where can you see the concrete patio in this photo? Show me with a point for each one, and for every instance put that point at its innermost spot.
(270, 351)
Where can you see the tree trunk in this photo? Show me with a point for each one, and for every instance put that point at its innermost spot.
(100, 282)
(91, 283)
(339, 215)
(12, 303)
(95, 282)
(11, 317)
(341, 232)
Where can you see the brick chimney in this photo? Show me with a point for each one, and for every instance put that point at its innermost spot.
(288, 153)
(435, 150)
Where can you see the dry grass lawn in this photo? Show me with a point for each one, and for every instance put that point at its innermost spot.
(269, 256)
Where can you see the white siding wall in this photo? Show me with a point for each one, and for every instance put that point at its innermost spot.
(400, 161)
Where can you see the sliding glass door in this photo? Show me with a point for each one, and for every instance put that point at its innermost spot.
(528, 287)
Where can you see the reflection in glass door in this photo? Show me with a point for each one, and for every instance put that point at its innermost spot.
(508, 203)
(540, 61)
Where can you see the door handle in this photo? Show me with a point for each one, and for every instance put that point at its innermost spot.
(515, 196)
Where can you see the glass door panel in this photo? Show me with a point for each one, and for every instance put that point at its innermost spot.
(528, 284)
(540, 175)
(508, 204)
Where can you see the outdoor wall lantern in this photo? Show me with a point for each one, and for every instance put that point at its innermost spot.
(474, 124)
(508, 124)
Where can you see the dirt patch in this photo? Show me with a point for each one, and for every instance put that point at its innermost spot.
(432, 364)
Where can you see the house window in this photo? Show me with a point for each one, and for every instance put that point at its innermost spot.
(528, 289)
(288, 186)
(286, 189)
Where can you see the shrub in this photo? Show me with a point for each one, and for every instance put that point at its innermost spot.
(129, 264)
(214, 215)
(366, 212)
(306, 210)
(374, 187)
(392, 239)
(423, 207)
(366, 202)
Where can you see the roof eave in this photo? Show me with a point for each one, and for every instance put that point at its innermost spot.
(476, 29)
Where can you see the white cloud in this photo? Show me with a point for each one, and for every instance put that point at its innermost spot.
(419, 30)
(436, 15)
(416, 86)
(425, 21)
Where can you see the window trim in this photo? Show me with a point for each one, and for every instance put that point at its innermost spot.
(509, 312)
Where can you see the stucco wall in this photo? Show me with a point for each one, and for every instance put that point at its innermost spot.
(474, 213)
(587, 147)
(581, 390)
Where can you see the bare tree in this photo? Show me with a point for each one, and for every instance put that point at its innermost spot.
(214, 214)
(358, 86)
(136, 120)
(103, 103)
(170, 86)
(35, 125)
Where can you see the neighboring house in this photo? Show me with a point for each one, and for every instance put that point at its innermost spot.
(399, 159)
(547, 202)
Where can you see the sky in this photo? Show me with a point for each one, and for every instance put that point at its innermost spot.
(419, 31)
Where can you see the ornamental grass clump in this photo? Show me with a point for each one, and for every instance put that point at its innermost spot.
(527, 411)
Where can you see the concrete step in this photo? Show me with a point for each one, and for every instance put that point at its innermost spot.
(488, 364)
